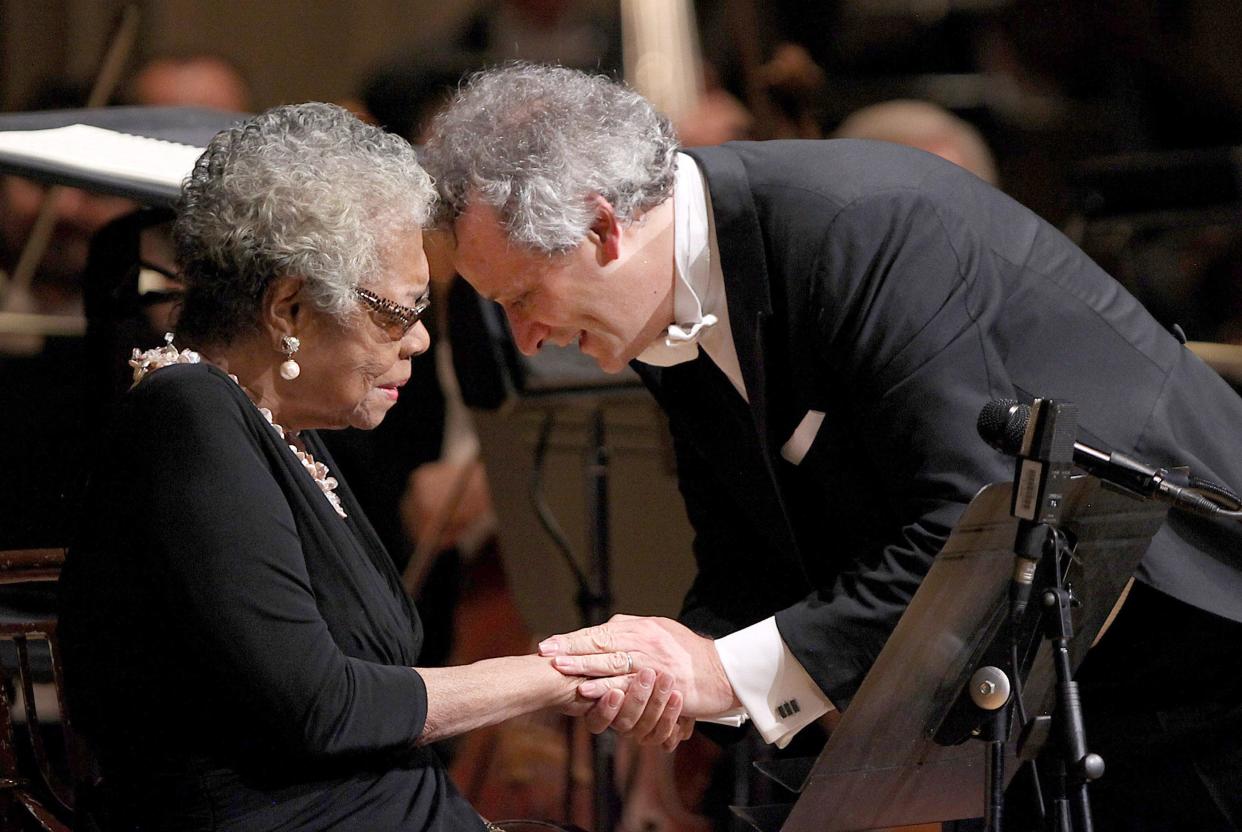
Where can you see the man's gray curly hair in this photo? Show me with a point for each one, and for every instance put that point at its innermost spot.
(537, 142)
(306, 190)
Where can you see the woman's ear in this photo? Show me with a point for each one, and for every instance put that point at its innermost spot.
(283, 307)
(605, 231)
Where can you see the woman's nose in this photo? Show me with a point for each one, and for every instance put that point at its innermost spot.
(416, 341)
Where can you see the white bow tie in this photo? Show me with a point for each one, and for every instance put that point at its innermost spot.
(679, 344)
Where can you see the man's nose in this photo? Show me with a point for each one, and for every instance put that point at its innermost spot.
(527, 334)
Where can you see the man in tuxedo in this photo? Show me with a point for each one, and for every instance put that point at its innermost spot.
(822, 322)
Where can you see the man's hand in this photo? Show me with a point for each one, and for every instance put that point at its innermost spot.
(628, 645)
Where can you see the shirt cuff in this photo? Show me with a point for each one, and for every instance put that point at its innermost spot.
(776, 692)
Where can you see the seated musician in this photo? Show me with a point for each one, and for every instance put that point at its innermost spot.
(239, 651)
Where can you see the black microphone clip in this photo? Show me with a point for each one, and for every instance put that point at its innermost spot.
(1045, 462)
(1041, 436)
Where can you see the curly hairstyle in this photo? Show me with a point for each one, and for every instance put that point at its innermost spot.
(537, 142)
(303, 189)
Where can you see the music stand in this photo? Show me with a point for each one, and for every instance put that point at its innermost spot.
(191, 126)
(882, 766)
(26, 151)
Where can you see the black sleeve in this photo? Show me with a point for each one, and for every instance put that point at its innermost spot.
(221, 546)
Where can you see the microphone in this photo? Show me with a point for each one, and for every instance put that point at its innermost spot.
(1043, 443)
(1002, 424)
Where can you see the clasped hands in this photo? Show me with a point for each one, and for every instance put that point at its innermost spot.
(650, 677)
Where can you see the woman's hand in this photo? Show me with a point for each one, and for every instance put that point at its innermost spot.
(656, 676)
(643, 705)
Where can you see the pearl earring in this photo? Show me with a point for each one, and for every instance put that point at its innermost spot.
(290, 369)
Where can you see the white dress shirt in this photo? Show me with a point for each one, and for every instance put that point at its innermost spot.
(775, 690)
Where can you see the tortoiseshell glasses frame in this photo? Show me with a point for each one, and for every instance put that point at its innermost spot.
(397, 320)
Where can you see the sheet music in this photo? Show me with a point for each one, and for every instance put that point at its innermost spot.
(85, 148)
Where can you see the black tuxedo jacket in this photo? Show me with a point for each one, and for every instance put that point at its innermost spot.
(897, 294)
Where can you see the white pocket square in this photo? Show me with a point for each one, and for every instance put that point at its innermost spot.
(803, 437)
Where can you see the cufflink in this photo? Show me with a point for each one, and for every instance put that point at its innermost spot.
(788, 708)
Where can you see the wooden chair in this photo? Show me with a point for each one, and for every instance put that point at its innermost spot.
(32, 794)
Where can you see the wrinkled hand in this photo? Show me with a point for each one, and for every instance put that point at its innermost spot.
(625, 647)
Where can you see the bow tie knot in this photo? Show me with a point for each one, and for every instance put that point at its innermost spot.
(680, 334)
(680, 343)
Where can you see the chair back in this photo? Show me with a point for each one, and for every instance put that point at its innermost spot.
(33, 795)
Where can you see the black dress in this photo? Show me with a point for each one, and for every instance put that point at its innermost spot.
(238, 655)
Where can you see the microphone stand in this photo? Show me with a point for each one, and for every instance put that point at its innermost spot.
(1075, 766)
(594, 597)
(1042, 553)
(1041, 475)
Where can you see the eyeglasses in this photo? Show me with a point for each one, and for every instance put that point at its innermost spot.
(397, 320)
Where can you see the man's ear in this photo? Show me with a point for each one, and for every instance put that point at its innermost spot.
(283, 307)
(439, 244)
(605, 231)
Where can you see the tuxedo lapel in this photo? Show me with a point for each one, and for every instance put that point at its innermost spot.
(743, 263)
(745, 272)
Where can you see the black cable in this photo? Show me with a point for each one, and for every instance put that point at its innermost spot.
(1060, 548)
(1017, 683)
(1210, 488)
(1022, 720)
(1232, 515)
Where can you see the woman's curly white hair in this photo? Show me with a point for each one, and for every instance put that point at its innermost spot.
(306, 190)
(538, 142)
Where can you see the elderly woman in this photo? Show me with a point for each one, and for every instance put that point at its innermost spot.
(238, 646)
